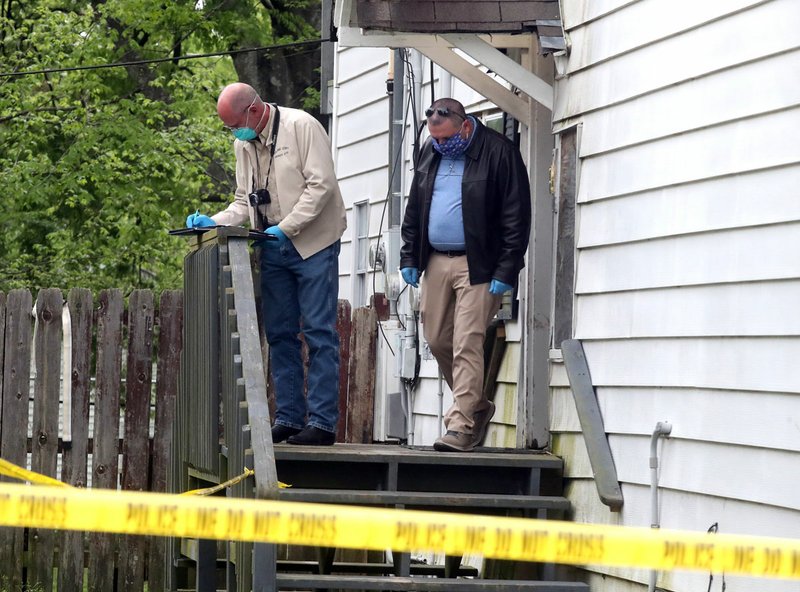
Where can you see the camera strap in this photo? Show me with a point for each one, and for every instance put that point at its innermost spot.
(274, 139)
(274, 142)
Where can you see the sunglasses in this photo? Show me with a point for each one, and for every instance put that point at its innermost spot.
(443, 112)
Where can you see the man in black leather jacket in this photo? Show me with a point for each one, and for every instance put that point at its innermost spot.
(466, 226)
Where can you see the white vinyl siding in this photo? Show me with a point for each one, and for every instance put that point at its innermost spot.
(360, 121)
(687, 274)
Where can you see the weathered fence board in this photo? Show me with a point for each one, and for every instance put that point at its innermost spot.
(170, 344)
(344, 327)
(13, 448)
(361, 392)
(135, 446)
(44, 441)
(2, 350)
(74, 456)
(105, 461)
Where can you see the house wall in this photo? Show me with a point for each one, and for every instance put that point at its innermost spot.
(687, 274)
(361, 154)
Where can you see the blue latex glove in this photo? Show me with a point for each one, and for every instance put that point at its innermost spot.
(198, 220)
(410, 275)
(279, 235)
(497, 287)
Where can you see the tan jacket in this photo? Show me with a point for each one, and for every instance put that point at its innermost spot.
(306, 203)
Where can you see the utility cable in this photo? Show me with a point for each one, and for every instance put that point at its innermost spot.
(386, 205)
(192, 56)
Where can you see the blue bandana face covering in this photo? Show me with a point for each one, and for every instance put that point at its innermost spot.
(452, 146)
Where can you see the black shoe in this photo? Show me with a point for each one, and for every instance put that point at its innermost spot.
(280, 432)
(312, 436)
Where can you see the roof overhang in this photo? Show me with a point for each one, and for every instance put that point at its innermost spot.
(439, 39)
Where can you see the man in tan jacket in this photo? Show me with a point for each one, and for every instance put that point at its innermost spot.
(286, 186)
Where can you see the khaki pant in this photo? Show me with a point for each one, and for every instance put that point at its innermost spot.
(455, 316)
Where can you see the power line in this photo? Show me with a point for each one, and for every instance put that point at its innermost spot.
(192, 56)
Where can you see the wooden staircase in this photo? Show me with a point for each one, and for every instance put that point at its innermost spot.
(223, 425)
(488, 481)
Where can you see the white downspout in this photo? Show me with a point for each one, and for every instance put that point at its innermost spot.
(445, 84)
(663, 428)
(416, 59)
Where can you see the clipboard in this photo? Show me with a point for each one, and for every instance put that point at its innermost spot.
(251, 234)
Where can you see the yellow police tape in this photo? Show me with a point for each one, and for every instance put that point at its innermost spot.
(221, 486)
(9, 469)
(401, 530)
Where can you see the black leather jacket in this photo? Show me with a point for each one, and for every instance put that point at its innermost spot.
(495, 203)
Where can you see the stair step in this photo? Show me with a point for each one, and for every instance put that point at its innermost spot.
(409, 584)
(422, 569)
(420, 499)
(397, 468)
(392, 453)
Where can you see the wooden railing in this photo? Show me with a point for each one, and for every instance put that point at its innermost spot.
(223, 416)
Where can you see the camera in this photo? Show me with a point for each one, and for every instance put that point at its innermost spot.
(259, 197)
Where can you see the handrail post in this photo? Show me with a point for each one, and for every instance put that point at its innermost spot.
(594, 433)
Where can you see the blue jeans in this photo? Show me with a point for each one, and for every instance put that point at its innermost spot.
(301, 295)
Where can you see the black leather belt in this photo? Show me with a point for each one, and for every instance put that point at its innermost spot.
(452, 253)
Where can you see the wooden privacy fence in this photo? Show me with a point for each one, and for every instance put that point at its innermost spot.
(97, 395)
(71, 376)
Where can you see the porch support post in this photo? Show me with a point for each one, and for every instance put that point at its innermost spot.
(533, 404)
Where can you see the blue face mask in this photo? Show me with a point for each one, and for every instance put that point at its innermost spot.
(245, 134)
(452, 146)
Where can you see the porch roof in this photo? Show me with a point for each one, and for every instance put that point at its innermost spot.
(541, 17)
(478, 28)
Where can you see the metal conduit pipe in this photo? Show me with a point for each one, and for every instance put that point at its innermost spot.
(416, 59)
(445, 83)
(663, 428)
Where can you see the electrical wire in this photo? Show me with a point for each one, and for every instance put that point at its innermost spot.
(414, 111)
(160, 60)
(433, 93)
(386, 205)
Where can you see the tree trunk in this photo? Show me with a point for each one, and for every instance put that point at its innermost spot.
(282, 75)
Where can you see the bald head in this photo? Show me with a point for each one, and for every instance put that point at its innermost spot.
(239, 105)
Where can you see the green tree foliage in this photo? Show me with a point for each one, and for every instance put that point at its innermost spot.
(97, 165)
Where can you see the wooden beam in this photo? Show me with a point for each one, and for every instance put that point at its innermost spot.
(504, 66)
(343, 13)
(356, 37)
(470, 75)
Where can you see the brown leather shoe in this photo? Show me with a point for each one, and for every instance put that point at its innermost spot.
(481, 423)
(454, 442)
